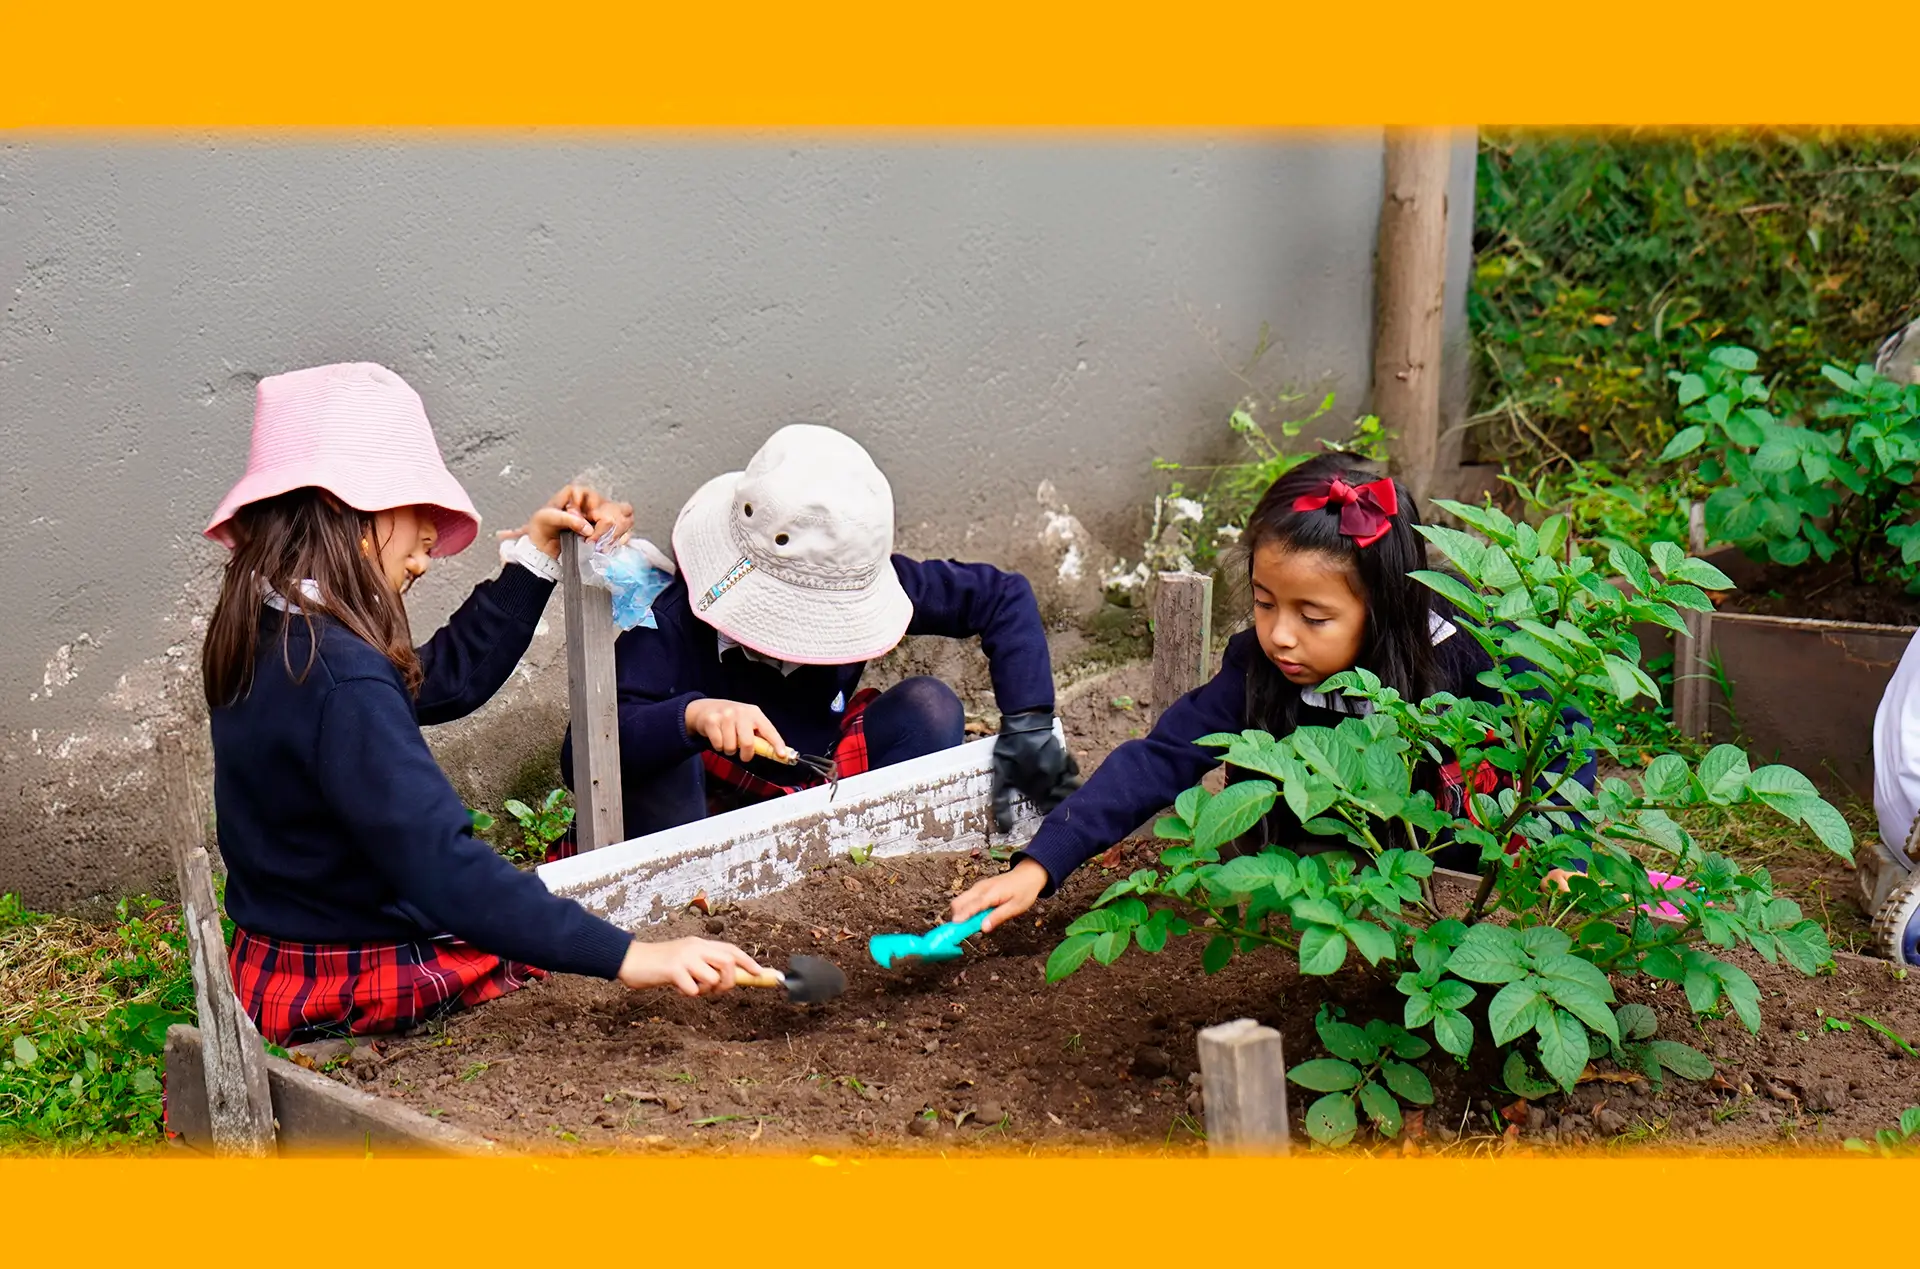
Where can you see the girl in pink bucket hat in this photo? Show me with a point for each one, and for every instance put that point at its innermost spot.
(787, 586)
(362, 901)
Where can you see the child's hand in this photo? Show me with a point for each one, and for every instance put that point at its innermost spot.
(1558, 877)
(693, 967)
(579, 509)
(729, 727)
(1009, 894)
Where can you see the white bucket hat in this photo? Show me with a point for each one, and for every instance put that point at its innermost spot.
(792, 557)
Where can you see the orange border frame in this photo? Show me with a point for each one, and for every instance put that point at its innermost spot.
(148, 73)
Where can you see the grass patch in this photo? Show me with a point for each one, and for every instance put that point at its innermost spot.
(84, 1011)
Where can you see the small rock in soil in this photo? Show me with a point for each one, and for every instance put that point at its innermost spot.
(1536, 1118)
(921, 1126)
(1196, 1103)
(1612, 1123)
(716, 926)
(1151, 1063)
(989, 1114)
(362, 1058)
(1826, 1096)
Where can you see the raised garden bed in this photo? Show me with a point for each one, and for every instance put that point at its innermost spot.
(982, 1054)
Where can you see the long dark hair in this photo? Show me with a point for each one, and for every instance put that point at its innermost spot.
(1397, 644)
(279, 542)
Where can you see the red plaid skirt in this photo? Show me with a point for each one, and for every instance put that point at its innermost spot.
(299, 992)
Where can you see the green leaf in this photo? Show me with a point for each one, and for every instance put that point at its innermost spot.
(1454, 1031)
(1665, 777)
(1741, 992)
(1684, 442)
(1636, 1022)
(1452, 994)
(1515, 1010)
(1564, 1050)
(1466, 552)
(1322, 950)
(1331, 1121)
(1219, 951)
(1683, 1060)
(1910, 1121)
(1173, 828)
(23, 1051)
(1409, 1083)
(1343, 1039)
(1724, 772)
(1580, 1001)
(520, 810)
(1069, 956)
(1544, 940)
(1233, 811)
(1700, 573)
(1381, 1109)
(1152, 935)
(1466, 600)
(1187, 806)
(1519, 1078)
(1372, 942)
(1779, 779)
(1489, 954)
(1325, 1075)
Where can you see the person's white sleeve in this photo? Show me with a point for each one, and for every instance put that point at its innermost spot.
(1896, 752)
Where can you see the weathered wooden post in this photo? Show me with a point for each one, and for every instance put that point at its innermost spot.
(1693, 651)
(239, 1101)
(1182, 636)
(594, 699)
(1243, 1083)
(1410, 274)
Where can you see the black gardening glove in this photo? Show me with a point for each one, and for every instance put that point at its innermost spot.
(1029, 758)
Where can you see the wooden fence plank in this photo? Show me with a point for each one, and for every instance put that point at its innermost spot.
(1182, 636)
(594, 701)
(239, 1104)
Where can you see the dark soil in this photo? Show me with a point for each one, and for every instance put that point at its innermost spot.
(982, 1054)
(1824, 591)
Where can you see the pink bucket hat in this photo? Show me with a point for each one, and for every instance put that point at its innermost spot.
(359, 432)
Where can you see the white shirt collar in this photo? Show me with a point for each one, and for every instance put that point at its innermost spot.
(1441, 630)
(308, 588)
(785, 667)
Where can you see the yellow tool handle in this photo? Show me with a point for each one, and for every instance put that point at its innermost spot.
(761, 749)
(765, 978)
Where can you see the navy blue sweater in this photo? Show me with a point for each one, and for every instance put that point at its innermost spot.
(661, 671)
(1142, 777)
(337, 825)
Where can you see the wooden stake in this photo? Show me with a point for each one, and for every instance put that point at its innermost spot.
(1182, 636)
(1243, 1078)
(239, 1100)
(1410, 274)
(1693, 651)
(594, 697)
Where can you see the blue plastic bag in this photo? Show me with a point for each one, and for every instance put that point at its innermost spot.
(636, 573)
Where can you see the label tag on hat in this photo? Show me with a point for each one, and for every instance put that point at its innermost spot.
(839, 705)
(726, 583)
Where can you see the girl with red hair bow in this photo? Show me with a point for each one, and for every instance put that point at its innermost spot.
(1330, 554)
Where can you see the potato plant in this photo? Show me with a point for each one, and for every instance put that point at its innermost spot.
(1523, 965)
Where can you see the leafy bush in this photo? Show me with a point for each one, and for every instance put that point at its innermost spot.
(1192, 522)
(80, 1062)
(1537, 982)
(1605, 261)
(1840, 487)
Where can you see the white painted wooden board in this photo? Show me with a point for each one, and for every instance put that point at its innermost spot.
(942, 802)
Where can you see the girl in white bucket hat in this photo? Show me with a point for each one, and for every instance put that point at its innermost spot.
(363, 902)
(787, 587)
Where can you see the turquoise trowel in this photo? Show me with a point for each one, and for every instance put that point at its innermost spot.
(941, 943)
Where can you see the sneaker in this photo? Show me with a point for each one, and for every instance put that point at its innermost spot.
(1896, 925)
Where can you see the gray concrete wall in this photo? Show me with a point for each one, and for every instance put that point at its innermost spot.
(985, 317)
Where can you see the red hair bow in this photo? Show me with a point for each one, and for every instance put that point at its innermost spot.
(1366, 511)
